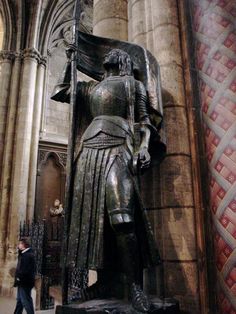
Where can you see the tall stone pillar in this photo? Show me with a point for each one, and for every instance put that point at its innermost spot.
(21, 134)
(7, 154)
(1, 32)
(215, 32)
(22, 145)
(172, 200)
(6, 60)
(38, 102)
(110, 18)
(140, 23)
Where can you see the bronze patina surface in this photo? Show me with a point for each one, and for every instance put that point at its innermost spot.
(107, 227)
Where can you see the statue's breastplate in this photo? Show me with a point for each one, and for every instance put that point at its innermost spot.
(109, 98)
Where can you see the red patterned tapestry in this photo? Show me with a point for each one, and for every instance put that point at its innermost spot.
(215, 32)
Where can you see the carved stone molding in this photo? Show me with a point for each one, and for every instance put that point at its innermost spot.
(32, 53)
(19, 55)
(7, 55)
(27, 53)
(42, 155)
(63, 158)
(43, 61)
(45, 154)
(49, 53)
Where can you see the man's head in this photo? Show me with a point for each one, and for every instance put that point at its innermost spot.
(120, 59)
(24, 243)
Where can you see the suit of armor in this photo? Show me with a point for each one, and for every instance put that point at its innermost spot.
(108, 223)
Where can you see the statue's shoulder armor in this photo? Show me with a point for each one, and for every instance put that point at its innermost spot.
(84, 88)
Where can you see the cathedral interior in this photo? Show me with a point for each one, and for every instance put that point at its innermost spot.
(191, 195)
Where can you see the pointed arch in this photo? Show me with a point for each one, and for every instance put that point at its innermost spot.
(51, 24)
(8, 23)
(45, 155)
(1, 31)
(50, 182)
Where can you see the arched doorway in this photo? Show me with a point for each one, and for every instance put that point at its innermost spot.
(50, 184)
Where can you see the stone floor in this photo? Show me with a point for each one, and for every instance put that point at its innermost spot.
(7, 306)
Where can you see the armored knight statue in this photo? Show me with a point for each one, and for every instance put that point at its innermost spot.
(108, 229)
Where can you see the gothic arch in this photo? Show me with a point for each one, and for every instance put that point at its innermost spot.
(1, 31)
(57, 22)
(59, 160)
(56, 17)
(9, 38)
(50, 182)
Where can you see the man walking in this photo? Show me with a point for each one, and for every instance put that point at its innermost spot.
(24, 278)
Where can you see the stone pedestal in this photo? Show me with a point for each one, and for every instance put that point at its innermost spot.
(166, 306)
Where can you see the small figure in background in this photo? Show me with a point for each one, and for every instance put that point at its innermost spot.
(57, 210)
(24, 277)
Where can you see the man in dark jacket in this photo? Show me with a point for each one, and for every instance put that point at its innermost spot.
(24, 278)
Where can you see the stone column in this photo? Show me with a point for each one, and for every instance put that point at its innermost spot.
(22, 145)
(155, 25)
(140, 23)
(20, 128)
(6, 58)
(8, 153)
(39, 93)
(1, 33)
(110, 18)
(215, 33)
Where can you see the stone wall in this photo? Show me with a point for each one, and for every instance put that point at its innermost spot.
(55, 127)
(161, 27)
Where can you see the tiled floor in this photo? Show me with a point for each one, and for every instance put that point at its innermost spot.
(7, 306)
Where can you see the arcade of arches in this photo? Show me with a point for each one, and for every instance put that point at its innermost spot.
(191, 196)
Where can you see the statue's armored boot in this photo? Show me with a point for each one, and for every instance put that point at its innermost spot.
(139, 299)
(131, 265)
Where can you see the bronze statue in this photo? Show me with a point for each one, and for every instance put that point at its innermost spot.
(108, 229)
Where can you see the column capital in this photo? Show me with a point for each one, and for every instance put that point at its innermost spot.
(43, 61)
(7, 55)
(26, 53)
(32, 53)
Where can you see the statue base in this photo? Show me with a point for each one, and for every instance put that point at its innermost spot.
(114, 306)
